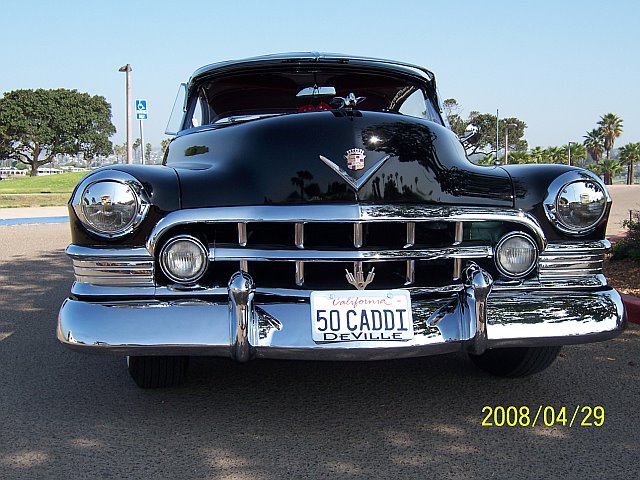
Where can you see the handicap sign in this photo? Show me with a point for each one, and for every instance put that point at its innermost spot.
(141, 109)
(141, 105)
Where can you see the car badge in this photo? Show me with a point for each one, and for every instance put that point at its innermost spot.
(356, 184)
(357, 277)
(355, 158)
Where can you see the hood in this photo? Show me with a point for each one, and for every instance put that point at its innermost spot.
(331, 157)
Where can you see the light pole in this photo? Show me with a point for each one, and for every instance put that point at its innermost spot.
(506, 141)
(569, 149)
(127, 69)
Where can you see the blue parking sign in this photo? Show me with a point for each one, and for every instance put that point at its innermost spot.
(141, 105)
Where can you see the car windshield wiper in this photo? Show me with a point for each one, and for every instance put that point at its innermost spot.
(244, 118)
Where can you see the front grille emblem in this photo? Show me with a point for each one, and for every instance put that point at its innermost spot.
(355, 158)
(364, 178)
(357, 277)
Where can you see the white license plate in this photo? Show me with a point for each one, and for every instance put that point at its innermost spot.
(353, 316)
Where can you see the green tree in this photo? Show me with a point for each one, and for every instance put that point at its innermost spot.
(452, 110)
(578, 153)
(610, 129)
(120, 152)
(555, 155)
(630, 154)
(537, 155)
(520, 157)
(607, 169)
(164, 144)
(594, 143)
(148, 148)
(37, 125)
(486, 124)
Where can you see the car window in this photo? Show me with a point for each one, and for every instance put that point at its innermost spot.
(249, 96)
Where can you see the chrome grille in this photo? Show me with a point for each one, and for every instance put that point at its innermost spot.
(572, 259)
(112, 267)
(408, 245)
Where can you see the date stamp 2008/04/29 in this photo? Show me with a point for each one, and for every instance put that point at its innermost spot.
(543, 416)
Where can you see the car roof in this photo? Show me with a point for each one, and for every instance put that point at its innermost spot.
(312, 57)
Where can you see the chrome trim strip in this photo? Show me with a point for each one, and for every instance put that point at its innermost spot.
(411, 272)
(357, 235)
(108, 254)
(299, 235)
(230, 254)
(112, 271)
(299, 273)
(578, 246)
(411, 235)
(457, 240)
(343, 214)
(242, 234)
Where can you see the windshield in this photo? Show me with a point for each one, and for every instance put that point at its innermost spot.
(247, 96)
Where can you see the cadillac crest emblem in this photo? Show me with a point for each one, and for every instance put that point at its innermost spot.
(355, 158)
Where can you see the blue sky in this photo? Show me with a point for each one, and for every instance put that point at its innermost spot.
(556, 65)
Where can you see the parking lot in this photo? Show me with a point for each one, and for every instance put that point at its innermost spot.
(69, 415)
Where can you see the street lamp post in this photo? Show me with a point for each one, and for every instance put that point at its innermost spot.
(506, 141)
(127, 69)
(569, 149)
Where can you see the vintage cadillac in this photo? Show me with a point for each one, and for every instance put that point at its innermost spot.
(316, 206)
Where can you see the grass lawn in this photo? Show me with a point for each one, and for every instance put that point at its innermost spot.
(40, 191)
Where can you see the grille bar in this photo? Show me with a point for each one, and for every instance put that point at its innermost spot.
(231, 254)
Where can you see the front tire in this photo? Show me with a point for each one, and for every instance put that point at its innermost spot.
(157, 372)
(516, 362)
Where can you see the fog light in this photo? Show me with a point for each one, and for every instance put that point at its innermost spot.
(516, 255)
(184, 259)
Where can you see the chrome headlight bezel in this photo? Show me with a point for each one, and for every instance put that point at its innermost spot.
(555, 192)
(534, 247)
(129, 182)
(162, 260)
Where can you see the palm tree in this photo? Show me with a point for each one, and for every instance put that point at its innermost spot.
(519, 157)
(578, 153)
(555, 154)
(537, 155)
(610, 168)
(610, 129)
(630, 154)
(594, 144)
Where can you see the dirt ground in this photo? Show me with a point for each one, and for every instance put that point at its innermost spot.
(625, 198)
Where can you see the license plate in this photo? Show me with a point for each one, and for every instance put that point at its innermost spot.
(354, 316)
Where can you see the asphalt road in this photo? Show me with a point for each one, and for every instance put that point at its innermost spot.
(68, 415)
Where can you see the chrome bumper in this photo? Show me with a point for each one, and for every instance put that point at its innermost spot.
(243, 326)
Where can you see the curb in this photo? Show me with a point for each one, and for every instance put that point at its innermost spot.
(632, 307)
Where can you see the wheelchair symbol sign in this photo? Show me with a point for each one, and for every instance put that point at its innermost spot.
(141, 105)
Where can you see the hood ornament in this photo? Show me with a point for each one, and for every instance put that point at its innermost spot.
(359, 155)
(357, 277)
(348, 103)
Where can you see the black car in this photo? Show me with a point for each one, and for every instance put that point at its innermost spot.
(319, 207)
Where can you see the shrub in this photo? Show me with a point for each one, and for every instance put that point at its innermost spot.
(629, 247)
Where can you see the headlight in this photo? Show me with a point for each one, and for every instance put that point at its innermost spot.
(109, 207)
(580, 205)
(184, 259)
(576, 203)
(110, 203)
(516, 254)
